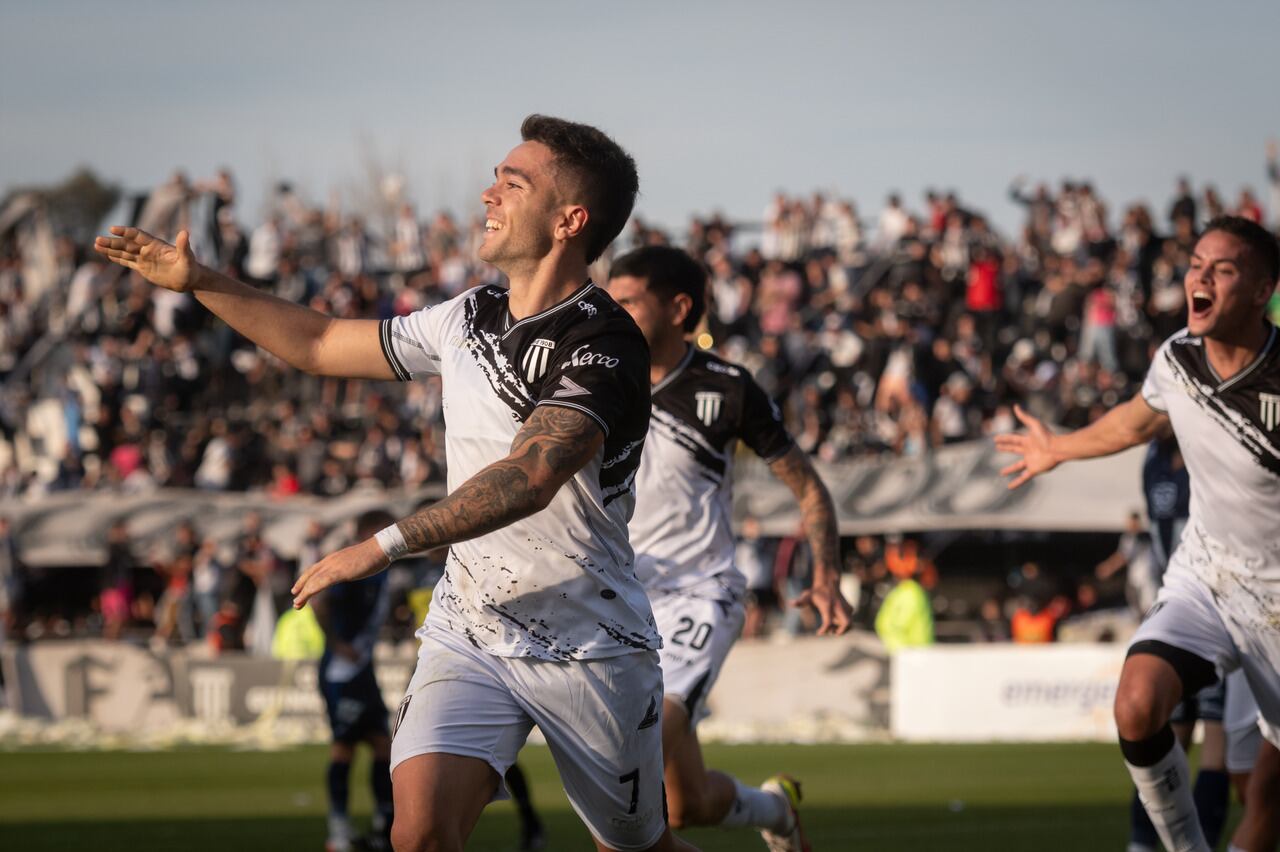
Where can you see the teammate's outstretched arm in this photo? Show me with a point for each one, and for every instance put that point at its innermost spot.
(818, 516)
(1127, 425)
(554, 444)
(303, 338)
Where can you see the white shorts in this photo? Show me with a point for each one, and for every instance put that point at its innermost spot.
(1240, 725)
(602, 720)
(698, 631)
(1212, 608)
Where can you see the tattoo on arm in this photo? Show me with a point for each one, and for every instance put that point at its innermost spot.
(817, 511)
(554, 444)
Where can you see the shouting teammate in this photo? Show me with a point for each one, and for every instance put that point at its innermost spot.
(539, 618)
(682, 533)
(1217, 383)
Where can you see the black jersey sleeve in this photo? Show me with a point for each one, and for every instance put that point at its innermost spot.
(761, 427)
(602, 371)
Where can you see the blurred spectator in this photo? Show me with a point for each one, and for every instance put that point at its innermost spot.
(751, 558)
(1184, 203)
(13, 583)
(207, 578)
(1273, 179)
(792, 568)
(1134, 553)
(1098, 330)
(905, 619)
(255, 590)
(1038, 608)
(175, 611)
(994, 627)
(116, 597)
(894, 222)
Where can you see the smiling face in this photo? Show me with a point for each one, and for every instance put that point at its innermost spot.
(1226, 289)
(525, 212)
(517, 207)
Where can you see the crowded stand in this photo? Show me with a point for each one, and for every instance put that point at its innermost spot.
(892, 334)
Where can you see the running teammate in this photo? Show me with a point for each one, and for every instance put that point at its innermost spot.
(539, 618)
(682, 533)
(1217, 384)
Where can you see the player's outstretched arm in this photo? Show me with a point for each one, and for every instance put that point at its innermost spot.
(818, 516)
(554, 444)
(301, 337)
(1127, 425)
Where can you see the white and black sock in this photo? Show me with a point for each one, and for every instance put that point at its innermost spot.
(1158, 766)
(755, 807)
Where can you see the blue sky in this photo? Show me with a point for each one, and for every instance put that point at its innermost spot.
(720, 103)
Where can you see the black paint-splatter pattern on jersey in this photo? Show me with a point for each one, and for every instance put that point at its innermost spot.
(1240, 405)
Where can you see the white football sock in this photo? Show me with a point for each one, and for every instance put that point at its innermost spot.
(1165, 791)
(759, 808)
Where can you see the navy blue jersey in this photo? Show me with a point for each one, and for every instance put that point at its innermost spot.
(358, 609)
(354, 613)
(1167, 488)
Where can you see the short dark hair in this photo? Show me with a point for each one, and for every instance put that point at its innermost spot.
(1261, 242)
(668, 272)
(606, 174)
(373, 520)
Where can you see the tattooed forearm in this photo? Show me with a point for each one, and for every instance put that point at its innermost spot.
(554, 444)
(488, 501)
(817, 511)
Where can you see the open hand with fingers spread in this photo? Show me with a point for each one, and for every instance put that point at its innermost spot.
(170, 266)
(1034, 445)
(351, 563)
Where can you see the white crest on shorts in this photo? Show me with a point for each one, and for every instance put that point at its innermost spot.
(536, 358)
(708, 406)
(1269, 409)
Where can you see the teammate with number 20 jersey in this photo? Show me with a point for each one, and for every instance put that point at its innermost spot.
(683, 533)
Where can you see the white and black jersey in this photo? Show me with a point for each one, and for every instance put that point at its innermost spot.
(682, 531)
(560, 584)
(1229, 434)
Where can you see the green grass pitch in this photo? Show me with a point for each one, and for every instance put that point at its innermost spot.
(857, 797)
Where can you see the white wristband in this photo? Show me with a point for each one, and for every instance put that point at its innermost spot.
(392, 542)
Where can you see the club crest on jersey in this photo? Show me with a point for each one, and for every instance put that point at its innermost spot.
(536, 359)
(1269, 409)
(708, 406)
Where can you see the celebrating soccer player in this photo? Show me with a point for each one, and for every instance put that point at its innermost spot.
(1217, 384)
(682, 533)
(539, 618)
